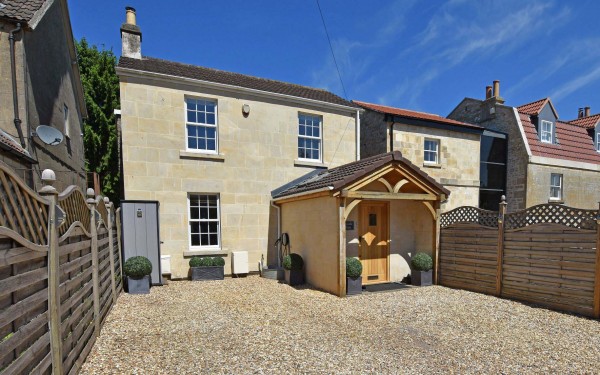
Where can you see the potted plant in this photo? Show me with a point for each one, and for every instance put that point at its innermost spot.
(353, 276)
(294, 269)
(137, 271)
(206, 268)
(421, 273)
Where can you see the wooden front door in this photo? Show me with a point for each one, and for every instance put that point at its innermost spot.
(374, 245)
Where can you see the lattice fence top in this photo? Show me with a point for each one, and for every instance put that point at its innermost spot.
(72, 201)
(552, 214)
(21, 209)
(468, 214)
(102, 210)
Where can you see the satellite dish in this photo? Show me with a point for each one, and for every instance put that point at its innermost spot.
(49, 135)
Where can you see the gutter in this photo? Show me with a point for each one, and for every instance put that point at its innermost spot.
(285, 197)
(13, 71)
(357, 134)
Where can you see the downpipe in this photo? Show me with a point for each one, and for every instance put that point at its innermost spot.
(13, 71)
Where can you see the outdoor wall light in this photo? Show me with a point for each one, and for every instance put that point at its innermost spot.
(246, 110)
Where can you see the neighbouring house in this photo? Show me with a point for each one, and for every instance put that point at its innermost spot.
(381, 209)
(40, 85)
(210, 146)
(548, 160)
(448, 150)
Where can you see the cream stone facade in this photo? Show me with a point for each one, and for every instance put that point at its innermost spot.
(256, 154)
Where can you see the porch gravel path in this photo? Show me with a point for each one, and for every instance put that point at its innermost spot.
(255, 325)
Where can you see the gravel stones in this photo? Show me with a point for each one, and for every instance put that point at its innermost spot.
(255, 325)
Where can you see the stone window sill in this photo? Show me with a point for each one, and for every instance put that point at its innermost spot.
(191, 253)
(432, 165)
(556, 201)
(305, 163)
(200, 156)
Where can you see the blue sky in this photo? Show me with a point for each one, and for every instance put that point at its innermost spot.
(421, 55)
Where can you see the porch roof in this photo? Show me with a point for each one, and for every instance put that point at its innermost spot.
(339, 177)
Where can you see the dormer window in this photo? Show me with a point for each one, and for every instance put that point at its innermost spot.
(547, 132)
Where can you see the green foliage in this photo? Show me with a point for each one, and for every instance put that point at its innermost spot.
(421, 262)
(218, 261)
(137, 267)
(206, 262)
(195, 261)
(101, 90)
(293, 261)
(353, 268)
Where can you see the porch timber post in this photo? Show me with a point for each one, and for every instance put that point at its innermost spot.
(436, 244)
(342, 247)
(597, 276)
(49, 192)
(500, 252)
(95, 277)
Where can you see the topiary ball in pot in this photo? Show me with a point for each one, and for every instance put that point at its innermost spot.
(421, 262)
(353, 268)
(205, 262)
(195, 261)
(137, 267)
(218, 261)
(293, 262)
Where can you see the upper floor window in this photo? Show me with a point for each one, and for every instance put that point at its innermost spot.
(66, 121)
(309, 137)
(556, 186)
(201, 125)
(432, 147)
(547, 132)
(598, 141)
(204, 220)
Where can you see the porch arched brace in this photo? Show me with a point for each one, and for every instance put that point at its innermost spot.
(350, 207)
(399, 185)
(387, 184)
(431, 209)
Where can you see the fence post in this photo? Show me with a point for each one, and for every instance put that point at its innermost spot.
(118, 225)
(111, 247)
(49, 192)
(95, 282)
(501, 213)
(597, 276)
(436, 245)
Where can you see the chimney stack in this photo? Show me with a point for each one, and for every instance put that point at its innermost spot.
(131, 36)
(496, 93)
(580, 112)
(488, 92)
(586, 112)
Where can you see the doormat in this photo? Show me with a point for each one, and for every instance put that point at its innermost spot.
(387, 287)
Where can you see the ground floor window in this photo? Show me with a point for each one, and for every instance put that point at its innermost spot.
(556, 186)
(204, 220)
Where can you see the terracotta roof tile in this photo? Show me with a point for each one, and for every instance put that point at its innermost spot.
(533, 108)
(20, 10)
(574, 143)
(414, 114)
(589, 122)
(341, 176)
(149, 64)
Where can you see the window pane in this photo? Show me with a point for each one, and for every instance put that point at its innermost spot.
(203, 200)
(192, 143)
(203, 213)
(302, 130)
(493, 149)
(214, 239)
(213, 227)
(191, 130)
(211, 145)
(193, 200)
(191, 104)
(211, 133)
(194, 213)
(202, 118)
(316, 132)
(212, 200)
(202, 144)
(204, 240)
(195, 240)
(210, 107)
(204, 227)
(212, 213)
(210, 119)
(195, 227)
(315, 154)
(489, 199)
(492, 176)
(191, 116)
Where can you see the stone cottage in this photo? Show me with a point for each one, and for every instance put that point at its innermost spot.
(40, 85)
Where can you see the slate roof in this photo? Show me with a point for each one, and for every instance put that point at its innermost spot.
(588, 122)
(7, 143)
(20, 10)
(574, 143)
(415, 115)
(341, 176)
(153, 65)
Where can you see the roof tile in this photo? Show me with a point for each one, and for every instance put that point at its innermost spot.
(533, 108)
(153, 65)
(20, 10)
(588, 122)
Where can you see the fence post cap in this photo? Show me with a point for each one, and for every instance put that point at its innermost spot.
(106, 200)
(48, 179)
(90, 193)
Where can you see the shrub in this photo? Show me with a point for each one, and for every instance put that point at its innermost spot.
(195, 262)
(205, 262)
(293, 261)
(421, 262)
(137, 267)
(353, 268)
(218, 261)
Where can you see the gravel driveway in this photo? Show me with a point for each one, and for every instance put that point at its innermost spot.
(254, 325)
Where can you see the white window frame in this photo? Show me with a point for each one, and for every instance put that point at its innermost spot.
(545, 132)
(319, 138)
(199, 125)
(199, 220)
(558, 188)
(598, 140)
(67, 126)
(436, 152)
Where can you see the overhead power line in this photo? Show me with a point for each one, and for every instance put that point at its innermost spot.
(331, 48)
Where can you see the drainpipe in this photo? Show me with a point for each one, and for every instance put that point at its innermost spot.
(13, 70)
(357, 134)
(278, 208)
(391, 136)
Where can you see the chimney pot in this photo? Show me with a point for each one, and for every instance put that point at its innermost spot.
(488, 92)
(496, 89)
(130, 16)
(587, 112)
(580, 112)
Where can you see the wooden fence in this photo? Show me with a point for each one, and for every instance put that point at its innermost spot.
(60, 273)
(547, 254)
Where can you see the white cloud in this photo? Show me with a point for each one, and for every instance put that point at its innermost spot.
(575, 84)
